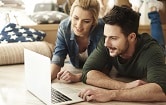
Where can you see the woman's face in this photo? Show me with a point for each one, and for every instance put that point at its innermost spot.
(81, 21)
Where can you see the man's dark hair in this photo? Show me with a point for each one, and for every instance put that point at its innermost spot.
(124, 17)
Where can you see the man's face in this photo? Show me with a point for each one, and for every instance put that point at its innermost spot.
(115, 40)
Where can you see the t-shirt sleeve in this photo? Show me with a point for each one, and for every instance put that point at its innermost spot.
(158, 76)
(97, 59)
(156, 69)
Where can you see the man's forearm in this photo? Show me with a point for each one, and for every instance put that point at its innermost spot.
(99, 79)
(147, 92)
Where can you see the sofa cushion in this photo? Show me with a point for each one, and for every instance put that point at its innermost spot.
(45, 7)
(48, 17)
(13, 53)
(15, 33)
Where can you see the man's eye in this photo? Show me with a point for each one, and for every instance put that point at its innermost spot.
(113, 38)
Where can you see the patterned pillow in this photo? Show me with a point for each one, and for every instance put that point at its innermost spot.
(16, 33)
(48, 17)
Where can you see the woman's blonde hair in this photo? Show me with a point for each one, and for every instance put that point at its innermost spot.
(89, 5)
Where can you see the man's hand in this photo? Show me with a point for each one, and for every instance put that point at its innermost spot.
(99, 95)
(153, 93)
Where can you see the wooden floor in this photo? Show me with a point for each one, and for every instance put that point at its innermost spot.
(13, 90)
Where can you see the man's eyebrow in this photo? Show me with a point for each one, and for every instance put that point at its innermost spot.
(109, 36)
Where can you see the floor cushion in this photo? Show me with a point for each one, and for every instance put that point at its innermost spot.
(13, 53)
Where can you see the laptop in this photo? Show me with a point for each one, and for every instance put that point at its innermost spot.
(38, 81)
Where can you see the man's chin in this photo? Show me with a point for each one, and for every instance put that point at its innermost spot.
(113, 54)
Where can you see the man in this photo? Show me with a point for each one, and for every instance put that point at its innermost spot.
(133, 55)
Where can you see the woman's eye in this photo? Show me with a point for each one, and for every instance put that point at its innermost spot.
(76, 18)
(87, 21)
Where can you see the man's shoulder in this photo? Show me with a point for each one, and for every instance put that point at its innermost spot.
(145, 35)
(147, 44)
(146, 38)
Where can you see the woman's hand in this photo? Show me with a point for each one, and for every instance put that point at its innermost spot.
(68, 76)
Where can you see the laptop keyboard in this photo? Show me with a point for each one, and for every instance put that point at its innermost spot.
(58, 96)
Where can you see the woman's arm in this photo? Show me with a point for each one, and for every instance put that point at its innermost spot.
(60, 51)
(54, 70)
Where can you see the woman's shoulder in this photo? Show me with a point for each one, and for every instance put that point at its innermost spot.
(99, 27)
(101, 22)
(65, 25)
(65, 22)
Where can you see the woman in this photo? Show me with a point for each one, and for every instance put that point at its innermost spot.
(105, 6)
(155, 23)
(77, 36)
(154, 16)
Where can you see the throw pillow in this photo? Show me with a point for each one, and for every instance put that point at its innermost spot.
(16, 33)
(48, 17)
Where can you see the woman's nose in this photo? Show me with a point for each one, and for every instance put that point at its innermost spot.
(79, 23)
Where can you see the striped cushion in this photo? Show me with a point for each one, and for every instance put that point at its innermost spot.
(13, 53)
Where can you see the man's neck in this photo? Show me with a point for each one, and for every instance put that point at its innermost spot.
(130, 51)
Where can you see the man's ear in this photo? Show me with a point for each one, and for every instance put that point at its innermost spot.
(132, 36)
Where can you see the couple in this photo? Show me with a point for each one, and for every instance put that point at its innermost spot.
(104, 43)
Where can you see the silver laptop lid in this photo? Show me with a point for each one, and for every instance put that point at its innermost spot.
(37, 75)
(38, 79)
